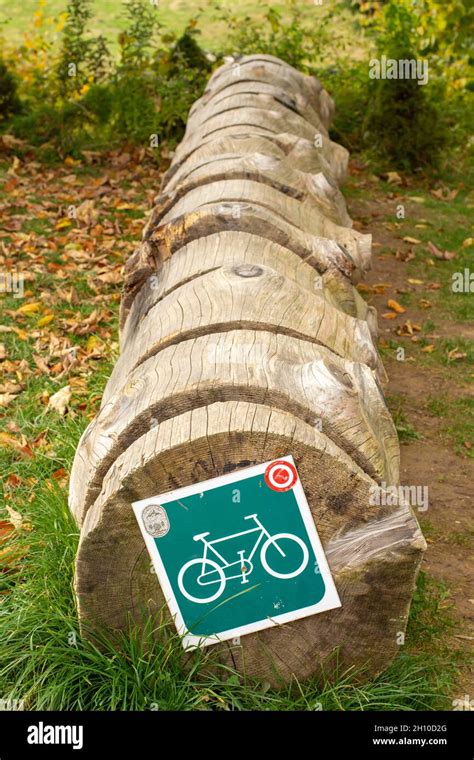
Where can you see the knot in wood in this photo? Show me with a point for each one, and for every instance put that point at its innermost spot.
(248, 270)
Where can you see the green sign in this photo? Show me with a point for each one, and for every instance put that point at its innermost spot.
(237, 553)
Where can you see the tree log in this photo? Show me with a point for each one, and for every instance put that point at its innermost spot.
(243, 339)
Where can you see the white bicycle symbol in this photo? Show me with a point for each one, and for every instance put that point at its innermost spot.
(211, 572)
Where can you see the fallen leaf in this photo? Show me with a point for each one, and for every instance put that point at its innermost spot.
(63, 224)
(393, 178)
(381, 287)
(41, 364)
(408, 328)
(18, 522)
(9, 387)
(442, 255)
(45, 320)
(363, 288)
(389, 315)
(428, 349)
(404, 255)
(412, 240)
(6, 398)
(60, 400)
(424, 303)
(468, 242)
(9, 441)
(412, 281)
(3, 352)
(29, 308)
(392, 304)
(444, 194)
(455, 354)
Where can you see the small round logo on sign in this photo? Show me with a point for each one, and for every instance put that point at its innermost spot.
(155, 520)
(280, 475)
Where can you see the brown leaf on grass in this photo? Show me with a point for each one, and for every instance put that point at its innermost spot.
(393, 178)
(41, 364)
(395, 306)
(437, 253)
(456, 355)
(423, 303)
(411, 240)
(6, 398)
(428, 349)
(18, 522)
(5, 528)
(389, 315)
(404, 255)
(86, 213)
(408, 329)
(59, 401)
(381, 287)
(9, 441)
(444, 194)
(362, 287)
(3, 352)
(21, 445)
(9, 142)
(61, 476)
(112, 277)
(9, 387)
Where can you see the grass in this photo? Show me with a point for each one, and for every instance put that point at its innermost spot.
(406, 431)
(108, 18)
(458, 420)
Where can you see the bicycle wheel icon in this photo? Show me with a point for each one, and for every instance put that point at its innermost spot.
(201, 575)
(279, 553)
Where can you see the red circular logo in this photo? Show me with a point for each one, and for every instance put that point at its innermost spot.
(281, 475)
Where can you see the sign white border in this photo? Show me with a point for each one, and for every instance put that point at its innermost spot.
(329, 601)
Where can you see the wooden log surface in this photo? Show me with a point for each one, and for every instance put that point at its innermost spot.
(243, 339)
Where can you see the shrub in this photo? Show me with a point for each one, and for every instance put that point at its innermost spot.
(9, 100)
(292, 37)
(82, 59)
(403, 123)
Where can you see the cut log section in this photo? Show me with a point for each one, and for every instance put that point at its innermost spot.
(278, 174)
(288, 373)
(243, 339)
(295, 152)
(373, 552)
(230, 249)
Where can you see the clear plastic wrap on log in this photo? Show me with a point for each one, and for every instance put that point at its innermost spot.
(243, 339)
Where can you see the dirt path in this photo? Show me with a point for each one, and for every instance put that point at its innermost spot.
(428, 458)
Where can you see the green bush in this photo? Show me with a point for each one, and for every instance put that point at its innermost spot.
(404, 122)
(82, 58)
(9, 100)
(293, 37)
